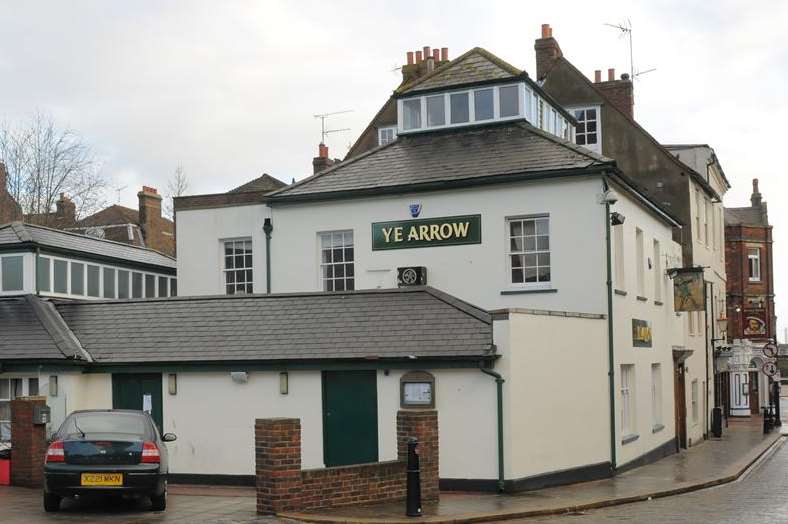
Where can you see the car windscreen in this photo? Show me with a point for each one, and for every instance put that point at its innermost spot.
(106, 423)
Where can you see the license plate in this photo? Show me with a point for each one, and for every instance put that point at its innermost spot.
(102, 479)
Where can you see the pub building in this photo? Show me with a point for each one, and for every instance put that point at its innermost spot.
(477, 247)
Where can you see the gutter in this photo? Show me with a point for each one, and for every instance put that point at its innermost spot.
(499, 380)
(268, 228)
(610, 346)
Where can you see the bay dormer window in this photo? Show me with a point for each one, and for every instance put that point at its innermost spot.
(411, 114)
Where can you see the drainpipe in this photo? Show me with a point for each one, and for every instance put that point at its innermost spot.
(610, 354)
(35, 271)
(708, 287)
(268, 227)
(499, 380)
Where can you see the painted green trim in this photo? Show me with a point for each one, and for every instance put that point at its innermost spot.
(41, 365)
(399, 232)
(499, 380)
(320, 365)
(528, 291)
(610, 348)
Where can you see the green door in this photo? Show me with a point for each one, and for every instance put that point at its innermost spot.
(138, 391)
(350, 417)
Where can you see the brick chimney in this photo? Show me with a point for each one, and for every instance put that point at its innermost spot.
(547, 52)
(620, 93)
(150, 217)
(756, 198)
(423, 61)
(65, 211)
(321, 161)
(9, 208)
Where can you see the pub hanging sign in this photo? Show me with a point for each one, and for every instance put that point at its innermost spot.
(427, 232)
(688, 289)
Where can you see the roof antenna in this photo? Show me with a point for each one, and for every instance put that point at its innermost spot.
(118, 190)
(323, 130)
(626, 30)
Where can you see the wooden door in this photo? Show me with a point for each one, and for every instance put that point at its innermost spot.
(350, 417)
(138, 391)
(754, 396)
(680, 405)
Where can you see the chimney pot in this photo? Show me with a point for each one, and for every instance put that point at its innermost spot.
(625, 76)
(430, 64)
(322, 150)
(444, 54)
(418, 57)
(436, 54)
(427, 52)
(754, 185)
(410, 57)
(611, 74)
(597, 76)
(546, 31)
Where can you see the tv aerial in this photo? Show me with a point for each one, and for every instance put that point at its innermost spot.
(323, 130)
(118, 190)
(626, 31)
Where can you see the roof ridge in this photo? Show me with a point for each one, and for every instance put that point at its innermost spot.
(596, 157)
(19, 230)
(62, 336)
(115, 242)
(464, 306)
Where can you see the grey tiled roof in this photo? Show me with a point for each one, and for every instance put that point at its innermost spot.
(265, 183)
(450, 156)
(27, 333)
(744, 215)
(422, 322)
(476, 65)
(18, 232)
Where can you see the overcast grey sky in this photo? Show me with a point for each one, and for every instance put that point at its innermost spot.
(228, 89)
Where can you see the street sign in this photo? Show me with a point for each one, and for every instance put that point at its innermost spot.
(770, 368)
(770, 350)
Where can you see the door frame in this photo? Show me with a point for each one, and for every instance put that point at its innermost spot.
(680, 404)
(323, 388)
(117, 379)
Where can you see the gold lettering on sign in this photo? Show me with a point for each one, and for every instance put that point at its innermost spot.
(387, 233)
(446, 230)
(424, 232)
(398, 234)
(461, 229)
(413, 234)
(435, 232)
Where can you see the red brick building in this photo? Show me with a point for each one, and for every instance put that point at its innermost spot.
(9, 208)
(749, 267)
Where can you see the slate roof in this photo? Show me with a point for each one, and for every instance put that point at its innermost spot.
(460, 154)
(32, 330)
(29, 234)
(114, 214)
(475, 66)
(744, 215)
(396, 323)
(265, 183)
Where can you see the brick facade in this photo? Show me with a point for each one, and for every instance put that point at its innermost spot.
(746, 229)
(283, 486)
(9, 208)
(28, 443)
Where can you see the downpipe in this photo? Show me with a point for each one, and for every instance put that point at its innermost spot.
(610, 346)
(499, 380)
(268, 228)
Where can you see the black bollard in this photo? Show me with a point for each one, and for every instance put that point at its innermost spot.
(413, 487)
(767, 426)
(777, 419)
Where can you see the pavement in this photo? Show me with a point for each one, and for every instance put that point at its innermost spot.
(711, 463)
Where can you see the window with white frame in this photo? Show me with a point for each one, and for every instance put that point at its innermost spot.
(337, 271)
(619, 257)
(11, 273)
(694, 397)
(640, 263)
(691, 322)
(386, 135)
(628, 426)
(656, 395)
(587, 130)
(657, 266)
(698, 200)
(238, 271)
(706, 218)
(529, 250)
(754, 263)
(411, 114)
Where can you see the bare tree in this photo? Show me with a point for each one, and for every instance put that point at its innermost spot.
(177, 186)
(43, 161)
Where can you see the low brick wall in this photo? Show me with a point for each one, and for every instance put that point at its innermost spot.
(28, 443)
(283, 486)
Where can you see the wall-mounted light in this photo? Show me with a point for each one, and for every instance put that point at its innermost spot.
(283, 383)
(616, 219)
(172, 383)
(53, 385)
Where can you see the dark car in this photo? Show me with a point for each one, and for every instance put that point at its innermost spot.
(112, 451)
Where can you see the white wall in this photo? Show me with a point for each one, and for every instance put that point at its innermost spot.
(200, 232)
(657, 308)
(75, 391)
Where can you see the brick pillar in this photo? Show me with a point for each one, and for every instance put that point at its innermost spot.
(278, 464)
(422, 425)
(28, 443)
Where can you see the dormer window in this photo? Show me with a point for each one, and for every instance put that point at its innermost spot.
(484, 104)
(588, 132)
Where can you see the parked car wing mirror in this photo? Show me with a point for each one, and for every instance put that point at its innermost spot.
(169, 437)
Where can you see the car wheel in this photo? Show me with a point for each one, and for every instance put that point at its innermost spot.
(159, 502)
(51, 502)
